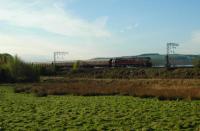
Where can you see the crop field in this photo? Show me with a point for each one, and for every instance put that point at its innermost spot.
(20, 111)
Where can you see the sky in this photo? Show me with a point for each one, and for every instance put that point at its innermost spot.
(34, 29)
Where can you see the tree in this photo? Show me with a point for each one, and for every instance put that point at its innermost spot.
(76, 65)
(12, 69)
(196, 62)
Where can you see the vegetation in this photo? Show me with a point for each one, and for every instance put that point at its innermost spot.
(133, 73)
(196, 62)
(12, 69)
(162, 89)
(76, 66)
(98, 99)
(26, 112)
(47, 70)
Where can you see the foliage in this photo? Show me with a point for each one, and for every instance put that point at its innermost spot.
(12, 69)
(47, 71)
(196, 62)
(165, 89)
(26, 112)
(75, 66)
(134, 73)
(5, 58)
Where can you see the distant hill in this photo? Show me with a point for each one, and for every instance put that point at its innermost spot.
(179, 59)
(160, 59)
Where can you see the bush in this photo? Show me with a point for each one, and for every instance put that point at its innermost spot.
(12, 69)
(196, 62)
(47, 71)
(76, 66)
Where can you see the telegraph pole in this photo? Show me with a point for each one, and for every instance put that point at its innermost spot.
(59, 54)
(170, 60)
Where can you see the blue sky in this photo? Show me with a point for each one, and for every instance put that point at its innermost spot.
(34, 29)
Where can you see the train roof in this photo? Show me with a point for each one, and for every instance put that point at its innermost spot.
(131, 57)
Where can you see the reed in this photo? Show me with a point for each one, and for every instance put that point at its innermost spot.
(160, 88)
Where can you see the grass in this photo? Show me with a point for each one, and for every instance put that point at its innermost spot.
(170, 89)
(78, 113)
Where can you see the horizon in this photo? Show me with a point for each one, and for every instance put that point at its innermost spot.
(105, 57)
(34, 29)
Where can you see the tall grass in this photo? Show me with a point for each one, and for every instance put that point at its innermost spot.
(162, 89)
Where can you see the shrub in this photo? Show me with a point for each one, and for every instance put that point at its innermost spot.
(76, 66)
(23, 72)
(12, 69)
(196, 62)
(47, 71)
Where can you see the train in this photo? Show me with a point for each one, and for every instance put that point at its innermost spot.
(112, 62)
(125, 62)
(131, 62)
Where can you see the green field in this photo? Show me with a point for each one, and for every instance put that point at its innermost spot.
(27, 112)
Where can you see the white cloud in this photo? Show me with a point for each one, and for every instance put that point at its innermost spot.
(49, 15)
(196, 38)
(35, 48)
(192, 46)
(136, 25)
(129, 28)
